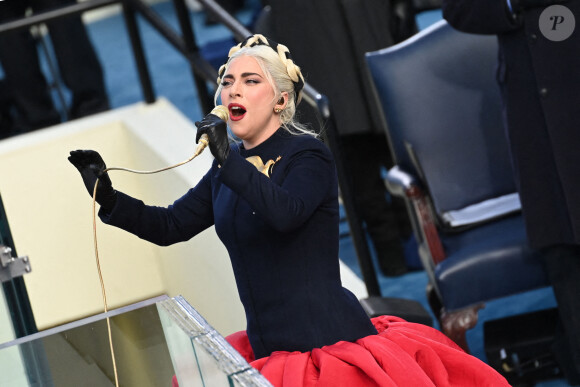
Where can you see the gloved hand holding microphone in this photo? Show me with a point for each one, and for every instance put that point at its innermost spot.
(214, 126)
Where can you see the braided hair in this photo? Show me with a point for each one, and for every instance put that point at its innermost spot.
(279, 69)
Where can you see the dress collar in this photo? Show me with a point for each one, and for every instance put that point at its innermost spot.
(268, 147)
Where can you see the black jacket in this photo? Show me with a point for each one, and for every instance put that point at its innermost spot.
(328, 39)
(540, 83)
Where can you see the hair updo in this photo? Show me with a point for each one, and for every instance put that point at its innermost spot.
(280, 70)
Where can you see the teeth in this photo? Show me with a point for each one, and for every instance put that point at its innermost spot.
(236, 108)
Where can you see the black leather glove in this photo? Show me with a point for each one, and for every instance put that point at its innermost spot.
(91, 166)
(217, 132)
(519, 5)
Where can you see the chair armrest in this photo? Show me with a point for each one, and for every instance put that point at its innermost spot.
(398, 181)
(403, 184)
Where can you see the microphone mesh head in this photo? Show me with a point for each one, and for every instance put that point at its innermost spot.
(221, 111)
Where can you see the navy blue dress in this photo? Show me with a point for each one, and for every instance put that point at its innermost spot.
(281, 233)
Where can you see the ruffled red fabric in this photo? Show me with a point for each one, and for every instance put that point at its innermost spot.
(401, 354)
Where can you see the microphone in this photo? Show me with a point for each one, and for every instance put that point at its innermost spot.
(221, 112)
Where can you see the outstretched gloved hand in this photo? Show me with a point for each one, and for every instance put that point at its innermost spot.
(92, 168)
(217, 132)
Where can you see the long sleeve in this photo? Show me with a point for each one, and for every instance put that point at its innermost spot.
(185, 218)
(480, 16)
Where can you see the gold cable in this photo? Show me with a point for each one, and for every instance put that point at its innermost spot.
(103, 284)
(203, 143)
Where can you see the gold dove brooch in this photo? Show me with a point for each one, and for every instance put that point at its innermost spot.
(266, 169)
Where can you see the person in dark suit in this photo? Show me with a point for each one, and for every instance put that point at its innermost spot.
(79, 66)
(539, 78)
(329, 38)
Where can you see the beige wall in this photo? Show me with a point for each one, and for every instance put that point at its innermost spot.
(50, 215)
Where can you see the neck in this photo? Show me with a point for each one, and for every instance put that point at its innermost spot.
(266, 134)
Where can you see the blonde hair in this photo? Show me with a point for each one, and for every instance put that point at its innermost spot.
(280, 71)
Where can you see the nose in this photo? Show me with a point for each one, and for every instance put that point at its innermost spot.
(235, 90)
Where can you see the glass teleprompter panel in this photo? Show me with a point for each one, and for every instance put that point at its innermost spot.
(79, 353)
(154, 341)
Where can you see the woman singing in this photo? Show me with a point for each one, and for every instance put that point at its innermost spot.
(279, 224)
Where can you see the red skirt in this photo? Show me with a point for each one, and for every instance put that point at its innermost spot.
(401, 354)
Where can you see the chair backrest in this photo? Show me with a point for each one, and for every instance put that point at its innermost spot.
(443, 114)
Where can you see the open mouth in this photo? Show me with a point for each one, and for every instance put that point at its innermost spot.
(237, 112)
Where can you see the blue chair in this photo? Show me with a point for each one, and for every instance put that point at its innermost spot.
(440, 106)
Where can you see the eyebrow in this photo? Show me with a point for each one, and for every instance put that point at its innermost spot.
(244, 75)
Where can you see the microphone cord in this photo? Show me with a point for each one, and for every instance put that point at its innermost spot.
(203, 143)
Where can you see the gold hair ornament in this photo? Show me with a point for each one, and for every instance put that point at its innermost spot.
(292, 69)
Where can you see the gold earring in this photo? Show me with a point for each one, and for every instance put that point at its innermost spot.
(277, 110)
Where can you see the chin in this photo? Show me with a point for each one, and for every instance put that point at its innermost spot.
(239, 132)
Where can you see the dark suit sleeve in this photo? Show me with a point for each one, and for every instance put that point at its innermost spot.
(181, 221)
(480, 16)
